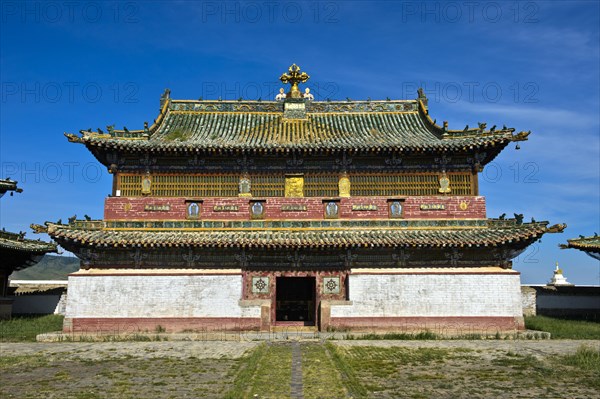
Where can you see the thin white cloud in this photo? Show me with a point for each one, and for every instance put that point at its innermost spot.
(554, 117)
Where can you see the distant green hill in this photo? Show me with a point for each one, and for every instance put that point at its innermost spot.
(51, 267)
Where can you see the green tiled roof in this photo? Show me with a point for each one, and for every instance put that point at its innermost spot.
(253, 126)
(590, 245)
(16, 252)
(493, 233)
(14, 241)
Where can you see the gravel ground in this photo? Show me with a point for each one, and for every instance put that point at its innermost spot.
(207, 369)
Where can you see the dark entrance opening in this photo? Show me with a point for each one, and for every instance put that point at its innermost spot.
(295, 300)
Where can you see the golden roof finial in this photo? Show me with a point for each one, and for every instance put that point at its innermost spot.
(293, 77)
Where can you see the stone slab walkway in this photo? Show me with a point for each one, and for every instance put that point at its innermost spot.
(296, 381)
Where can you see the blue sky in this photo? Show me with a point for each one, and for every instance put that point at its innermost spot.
(66, 66)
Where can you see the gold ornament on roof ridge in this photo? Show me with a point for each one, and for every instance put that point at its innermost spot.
(293, 77)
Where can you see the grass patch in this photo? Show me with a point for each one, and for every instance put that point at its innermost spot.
(423, 335)
(519, 362)
(22, 363)
(586, 358)
(386, 372)
(274, 372)
(246, 371)
(349, 379)
(320, 379)
(26, 328)
(411, 356)
(561, 328)
(368, 370)
(584, 366)
(265, 373)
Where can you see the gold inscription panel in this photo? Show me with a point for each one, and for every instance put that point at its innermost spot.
(294, 186)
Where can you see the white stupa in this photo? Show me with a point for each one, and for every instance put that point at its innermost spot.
(558, 278)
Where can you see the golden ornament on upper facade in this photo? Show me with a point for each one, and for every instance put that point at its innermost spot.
(444, 184)
(344, 186)
(294, 186)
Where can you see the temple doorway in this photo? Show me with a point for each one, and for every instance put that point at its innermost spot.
(295, 300)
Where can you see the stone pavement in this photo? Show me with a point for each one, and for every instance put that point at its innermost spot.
(537, 348)
(147, 350)
(236, 349)
(296, 382)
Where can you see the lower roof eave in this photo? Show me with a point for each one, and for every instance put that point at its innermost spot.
(463, 239)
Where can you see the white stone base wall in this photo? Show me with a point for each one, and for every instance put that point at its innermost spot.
(61, 306)
(179, 300)
(528, 301)
(434, 298)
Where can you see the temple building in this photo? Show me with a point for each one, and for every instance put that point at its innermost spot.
(16, 252)
(590, 245)
(249, 215)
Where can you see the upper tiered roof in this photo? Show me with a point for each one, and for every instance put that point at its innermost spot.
(297, 124)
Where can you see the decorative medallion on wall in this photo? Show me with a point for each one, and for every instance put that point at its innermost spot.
(257, 210)
(331, 285)
(260, 285)
(193, 210)
(332, 210)
(464, 205)
(395, 209)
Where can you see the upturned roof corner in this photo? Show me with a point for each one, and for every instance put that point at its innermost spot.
(521, 136)
(557, 228)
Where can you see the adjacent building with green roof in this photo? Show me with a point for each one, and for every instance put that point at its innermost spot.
(16, 252)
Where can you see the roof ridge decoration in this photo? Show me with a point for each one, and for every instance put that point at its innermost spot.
(18, 241)
(437, 224)
(20, 236)
(294, 77)
(140, 134)
(468, 132)
(557, 228)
